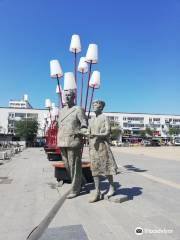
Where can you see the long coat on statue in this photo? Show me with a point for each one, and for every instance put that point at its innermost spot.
(102, 159)
(71, 121)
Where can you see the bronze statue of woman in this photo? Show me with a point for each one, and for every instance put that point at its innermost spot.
(102, 159)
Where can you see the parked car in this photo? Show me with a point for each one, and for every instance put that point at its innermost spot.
(146, 143)
(177, 142)
(155, 143)
(116, 143)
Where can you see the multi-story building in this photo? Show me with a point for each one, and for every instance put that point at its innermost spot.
(135, 122)
(23, 103)
(130, 122)
(18, 110)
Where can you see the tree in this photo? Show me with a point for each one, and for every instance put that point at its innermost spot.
(27, 129)
(143, 133)
(146, 132)
(115, 130)
(174, 131)
(149, 131)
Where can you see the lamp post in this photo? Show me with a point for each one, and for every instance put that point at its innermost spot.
(48, 106)
(75, 47)
(45, 123)
(82, 68)
(59, 92)
(55, 113)
(56, 73)
(94, 83)
(91, 58)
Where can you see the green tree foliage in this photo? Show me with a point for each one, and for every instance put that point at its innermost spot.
(146, 132)
(149, 131)
(174, 131)
(27, 129)
(143, 133)
(115, 130)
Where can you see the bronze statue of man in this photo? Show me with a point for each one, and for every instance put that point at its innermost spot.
(71, 123)
(102, 160)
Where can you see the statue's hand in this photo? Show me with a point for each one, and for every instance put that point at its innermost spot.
(84, 132)
(93, 135)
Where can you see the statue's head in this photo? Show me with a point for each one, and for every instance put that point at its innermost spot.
(69, 96)
(98, 105)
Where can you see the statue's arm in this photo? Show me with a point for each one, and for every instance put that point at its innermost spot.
(83, 122)
(82, 118)
(105, 131)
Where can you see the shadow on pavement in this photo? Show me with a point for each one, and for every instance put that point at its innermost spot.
(130, 192)
(134, 169)
(72, 232)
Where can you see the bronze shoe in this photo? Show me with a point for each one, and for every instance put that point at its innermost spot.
(72, 195)
(95, 197)
(111, 191)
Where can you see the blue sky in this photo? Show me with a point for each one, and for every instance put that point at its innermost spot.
(139, 50)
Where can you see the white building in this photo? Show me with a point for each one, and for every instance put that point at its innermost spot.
(132, 122)
(18, 110)
(23, 103)
(135, 122)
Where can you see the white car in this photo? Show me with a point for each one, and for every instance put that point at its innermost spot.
(116, 143)
(177, 142)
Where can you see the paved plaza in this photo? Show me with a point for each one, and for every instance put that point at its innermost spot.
(149, 177)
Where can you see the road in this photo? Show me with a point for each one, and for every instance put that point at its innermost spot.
(28, 190)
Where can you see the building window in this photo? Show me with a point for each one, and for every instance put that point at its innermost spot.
(176, 120)
(156, 119)
(22, 115)
(136, 125)
(11, 115)
(32, 115)
(135, 119)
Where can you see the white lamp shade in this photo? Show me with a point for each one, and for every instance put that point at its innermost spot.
(95, 80)
(47, 103)
(83, 66)
(53, 105)
(57, 89)
(55, 112)
(75, 45)
(55, 69)
(69, 81)
(92, 53)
